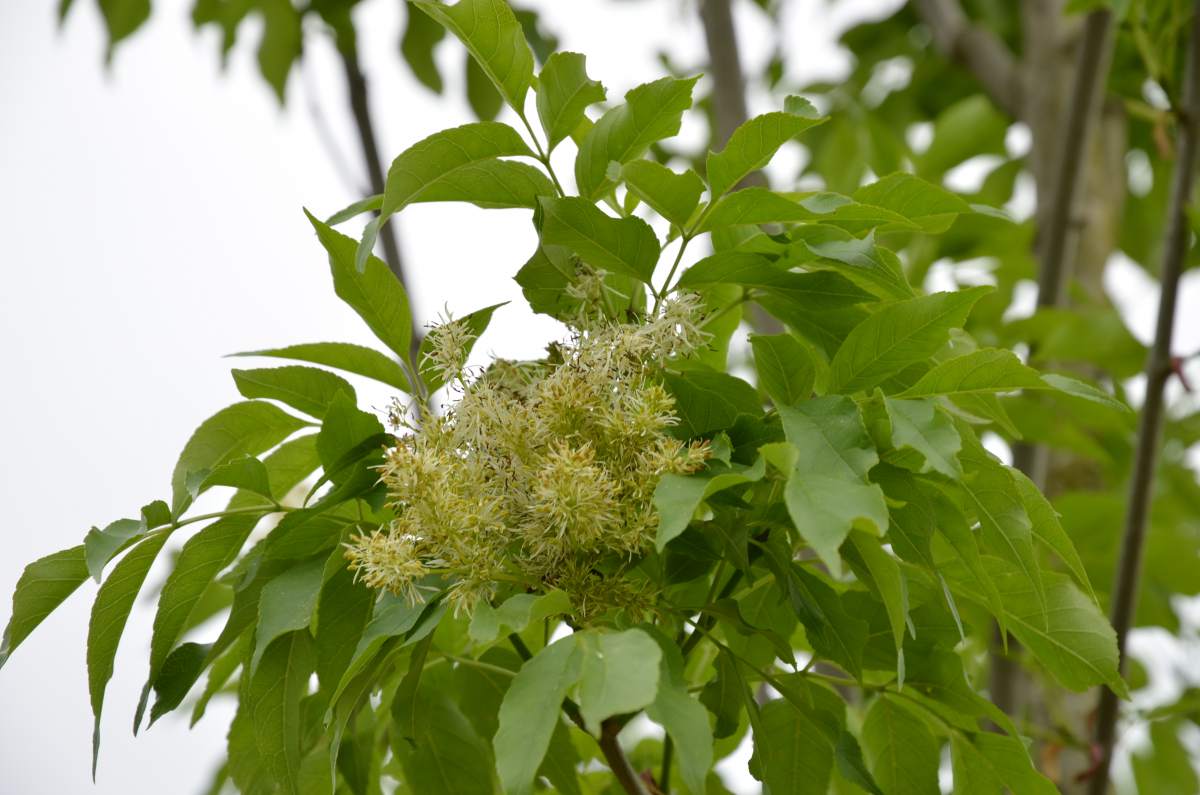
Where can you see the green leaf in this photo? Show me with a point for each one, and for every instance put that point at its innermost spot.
(1079, 389)
(449, 756)
(618, 674)
(273, 704)
(460, 164)
(901, 751)
(929, 206)
(983, 371)
(517, 613)
(121, 18)
(673, 196)
(421, 37)
(650, 113)
(785, 368)
(306, 389)
(393, 616)
(898, 335)
(246, 428)
(100, 546)
(682, 716)
(825, 509)
(887, 579)
(343, 610)
(42, 587)
(1049, 531)
(868, 265)
(180, 671)
(621, 245)
(1069, 636)
(286, 605)
(987, 763)
(494, 37)
(812, 292)
(676, 497)
(474, 324)
(791, 752)
(110, 611)
(350, 443)
(753, 206)
(921, 425)
(530, 710)
(827, 492)
(564, 92)
(707, 402)
(280, 45)
(343, 356)
(992, 495)
(369, 287)
(830, 434)
(201, 559)
(246, 473)
(752, 145)
(287, 465)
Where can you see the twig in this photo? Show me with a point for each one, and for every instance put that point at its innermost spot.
(976, 48)
(1158, 370)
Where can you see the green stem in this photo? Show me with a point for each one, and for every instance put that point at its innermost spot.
(684, 239)
(542, 155)
(470, 663)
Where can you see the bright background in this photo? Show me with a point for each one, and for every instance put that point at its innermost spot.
(150, 219)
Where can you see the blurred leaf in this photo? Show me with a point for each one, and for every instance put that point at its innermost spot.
(482, 96)
(418, 44)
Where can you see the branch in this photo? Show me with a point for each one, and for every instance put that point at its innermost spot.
(1158, 370)
(979, 50)
(360, 108)
(1091, 71)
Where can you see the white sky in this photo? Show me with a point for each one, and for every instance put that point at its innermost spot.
(151, 224)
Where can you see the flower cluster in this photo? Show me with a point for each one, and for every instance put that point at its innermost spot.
(541, 474)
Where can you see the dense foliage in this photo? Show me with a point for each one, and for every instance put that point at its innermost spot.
(816, 553)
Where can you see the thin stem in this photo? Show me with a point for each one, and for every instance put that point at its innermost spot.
(668, 752)
(470, 663)
(542, 155)
(1158, 370)
(684, 239)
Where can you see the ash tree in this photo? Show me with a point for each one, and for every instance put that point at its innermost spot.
(509, 581)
